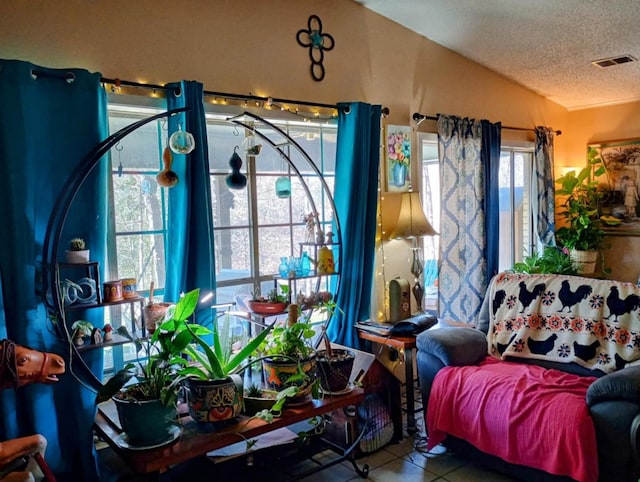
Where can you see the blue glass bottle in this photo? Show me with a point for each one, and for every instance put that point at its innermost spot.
(283, 268)
(306, 264)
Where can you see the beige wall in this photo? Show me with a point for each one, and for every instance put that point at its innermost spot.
(611, 123)
(248, 46)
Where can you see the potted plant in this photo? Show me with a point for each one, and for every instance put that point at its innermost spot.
(334, 365)
(77, 252)
(289, 356)
(273, 304)
(213, 386)
(583, 234)
(147, 408)
(553, 260)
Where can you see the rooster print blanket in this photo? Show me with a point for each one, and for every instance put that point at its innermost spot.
(595, 323)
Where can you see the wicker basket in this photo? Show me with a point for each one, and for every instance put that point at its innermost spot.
(585, 261)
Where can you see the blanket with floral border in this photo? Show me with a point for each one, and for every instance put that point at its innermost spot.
(595, 323)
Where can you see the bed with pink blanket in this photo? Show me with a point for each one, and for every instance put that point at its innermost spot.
(550, 389)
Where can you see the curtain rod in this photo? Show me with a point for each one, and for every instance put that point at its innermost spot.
(250, 97)
(418, 118)
(70, 77)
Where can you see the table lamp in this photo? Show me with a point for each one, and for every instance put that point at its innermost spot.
(411, 224)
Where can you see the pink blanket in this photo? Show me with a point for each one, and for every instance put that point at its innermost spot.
(521, 413)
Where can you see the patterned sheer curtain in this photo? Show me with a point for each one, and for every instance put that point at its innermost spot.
(543, 202)
(468, 198)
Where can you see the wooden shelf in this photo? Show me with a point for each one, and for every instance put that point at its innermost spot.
(85, 306)
(117, 340)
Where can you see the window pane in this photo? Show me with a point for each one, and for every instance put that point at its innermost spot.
(141, 256)
(138, 203)
(222, 139)
(139, 150)
(230, 206)
(274, 244)
(271, 208)
(233, 253)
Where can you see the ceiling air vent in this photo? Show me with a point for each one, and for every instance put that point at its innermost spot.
(621, 59)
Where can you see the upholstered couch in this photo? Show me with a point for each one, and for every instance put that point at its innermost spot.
(581, 334)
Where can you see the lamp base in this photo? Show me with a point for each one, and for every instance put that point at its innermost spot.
(418, 293)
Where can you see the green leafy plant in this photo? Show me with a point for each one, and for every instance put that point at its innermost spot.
(217, 361)
(581, 209)
(552, 261)
(292, 340)
(158, 371)
(273, 296)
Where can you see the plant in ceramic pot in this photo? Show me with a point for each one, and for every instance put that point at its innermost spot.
(583, 231)
(289, 355)
(147, 408)
(77, 252)
(213, 386)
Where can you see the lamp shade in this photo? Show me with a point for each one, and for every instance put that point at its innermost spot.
(411, 221)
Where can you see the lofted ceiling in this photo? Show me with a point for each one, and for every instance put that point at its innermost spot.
(544, 45)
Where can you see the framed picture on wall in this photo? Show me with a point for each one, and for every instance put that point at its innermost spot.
(398, 158)
(621, 202)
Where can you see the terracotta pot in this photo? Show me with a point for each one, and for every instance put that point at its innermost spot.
(154, 314)
(266, 308)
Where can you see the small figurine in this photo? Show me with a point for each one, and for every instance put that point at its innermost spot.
(78, 341)
(108, 332)
(319, 237)
(329, 237)
(96, 336)
(310, 221)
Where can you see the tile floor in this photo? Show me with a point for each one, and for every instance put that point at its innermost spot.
(400, 462)
(396, 462)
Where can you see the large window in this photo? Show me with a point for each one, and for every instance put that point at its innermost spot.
(254, 228)
(515, 206)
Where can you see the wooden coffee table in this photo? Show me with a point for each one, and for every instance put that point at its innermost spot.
(197, 439)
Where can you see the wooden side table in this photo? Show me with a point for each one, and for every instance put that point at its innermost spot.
(408, 345)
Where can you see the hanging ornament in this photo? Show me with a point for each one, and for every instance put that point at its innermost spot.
(119, 148)
(283, 187)
(182, 142)
(251, 146)
(166, 177)
(236, 180)
(283, 183)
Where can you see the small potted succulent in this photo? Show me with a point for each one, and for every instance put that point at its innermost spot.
(77, 252)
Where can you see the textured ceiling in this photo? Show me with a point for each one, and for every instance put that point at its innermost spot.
(544, 45)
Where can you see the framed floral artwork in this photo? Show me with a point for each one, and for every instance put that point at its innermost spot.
(398, 158)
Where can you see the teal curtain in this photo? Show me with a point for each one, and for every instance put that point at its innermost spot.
(190, 246)
(50, 120)
(355, 196)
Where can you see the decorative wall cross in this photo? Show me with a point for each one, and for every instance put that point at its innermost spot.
(317, 42)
